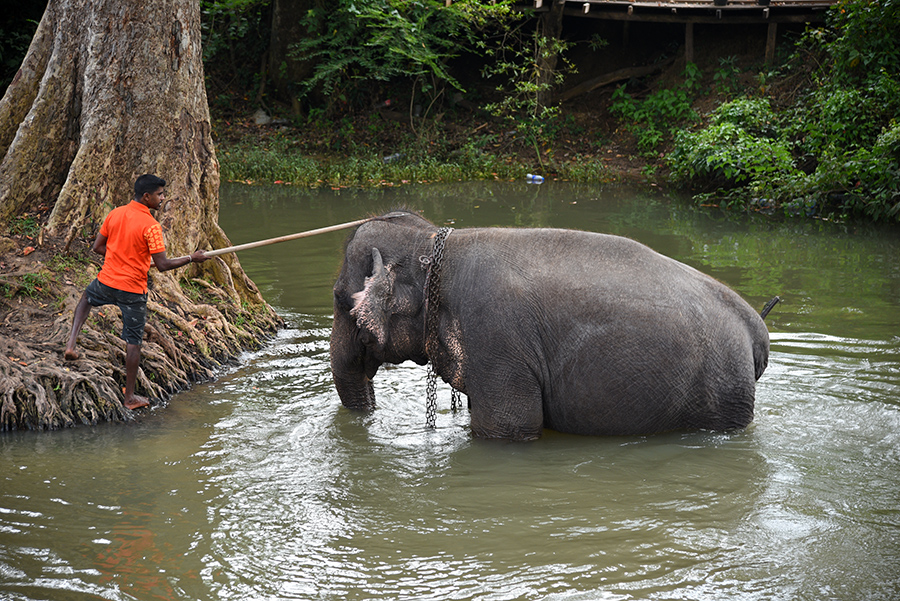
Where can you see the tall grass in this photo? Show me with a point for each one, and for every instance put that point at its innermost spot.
(282, 163)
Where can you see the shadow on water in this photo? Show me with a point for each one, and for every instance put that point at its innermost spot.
(262, 486)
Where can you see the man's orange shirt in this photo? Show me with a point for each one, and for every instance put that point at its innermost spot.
(132, 236)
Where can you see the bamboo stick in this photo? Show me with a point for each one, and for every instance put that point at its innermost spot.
(306, 234)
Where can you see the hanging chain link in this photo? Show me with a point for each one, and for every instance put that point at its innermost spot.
(431, 397)
(432, 304)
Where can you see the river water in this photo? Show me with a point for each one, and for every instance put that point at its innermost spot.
(259, 485)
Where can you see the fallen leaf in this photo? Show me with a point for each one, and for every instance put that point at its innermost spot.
(27, 250)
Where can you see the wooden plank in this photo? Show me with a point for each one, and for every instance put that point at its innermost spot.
(697, 11)
(786, 4)
(727, 18)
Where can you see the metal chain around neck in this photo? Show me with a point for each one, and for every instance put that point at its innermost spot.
(432, 304)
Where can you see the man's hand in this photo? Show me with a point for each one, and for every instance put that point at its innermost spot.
(163, 263)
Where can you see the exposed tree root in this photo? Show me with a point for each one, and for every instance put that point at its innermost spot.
(186, 340)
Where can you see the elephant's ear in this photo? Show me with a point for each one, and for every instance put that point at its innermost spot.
(371, 304)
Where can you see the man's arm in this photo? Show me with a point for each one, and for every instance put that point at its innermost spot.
(99, 246)
(163, 263)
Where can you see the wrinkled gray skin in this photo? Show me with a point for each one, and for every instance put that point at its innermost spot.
(542, 328)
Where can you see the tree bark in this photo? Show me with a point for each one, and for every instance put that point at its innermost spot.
(109, 90)
(284, 70)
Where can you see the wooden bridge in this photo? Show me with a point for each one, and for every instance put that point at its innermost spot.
(691, 12)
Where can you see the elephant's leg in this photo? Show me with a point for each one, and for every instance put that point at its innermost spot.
(505, 405)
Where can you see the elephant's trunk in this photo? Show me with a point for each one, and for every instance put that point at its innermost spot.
(348, 366)
(356, 393)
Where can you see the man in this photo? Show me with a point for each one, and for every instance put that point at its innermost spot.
(129, 239)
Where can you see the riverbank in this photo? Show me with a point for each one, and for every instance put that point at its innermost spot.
(813, 134)
(385, 147)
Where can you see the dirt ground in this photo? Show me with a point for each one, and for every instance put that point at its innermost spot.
(40, 283)
(38, 291)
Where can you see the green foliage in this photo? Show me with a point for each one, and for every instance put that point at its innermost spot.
(864, 39)
(24, 225)
(857, 89)
(195, 292)
(74, 267)
(846, 117)
(355, 42)
(754, 115)
(861, 181)
(733, 150)
(586, 169)
(725, 155)
(226, 23)
(31, 285)
(516, 63)
(235, 34)
(65, 262)
(725, 79)
(843, 129)
(848, 121)
(658, 116)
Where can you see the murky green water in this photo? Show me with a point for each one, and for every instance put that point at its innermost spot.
(261, 486)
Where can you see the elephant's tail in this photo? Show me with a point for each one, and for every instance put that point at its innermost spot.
(769, 306)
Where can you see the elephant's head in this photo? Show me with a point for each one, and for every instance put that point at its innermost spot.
(379, 304)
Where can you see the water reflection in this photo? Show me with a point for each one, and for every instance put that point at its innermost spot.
(261, 486)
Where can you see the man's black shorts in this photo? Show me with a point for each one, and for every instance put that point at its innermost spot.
(133, 306)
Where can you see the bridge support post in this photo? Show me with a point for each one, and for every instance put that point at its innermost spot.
(770, 43)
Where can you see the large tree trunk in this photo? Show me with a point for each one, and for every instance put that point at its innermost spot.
(109, 90)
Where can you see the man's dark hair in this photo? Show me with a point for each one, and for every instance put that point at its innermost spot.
(147, 183)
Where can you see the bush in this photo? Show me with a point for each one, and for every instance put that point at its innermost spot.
(751, 114)
(731, 151)
(865, 40)
(846, 117)
(844, 127)
(660, 114)
(862, 182)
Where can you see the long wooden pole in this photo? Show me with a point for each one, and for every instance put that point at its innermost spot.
(306, 234)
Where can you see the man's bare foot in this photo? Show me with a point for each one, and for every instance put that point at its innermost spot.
(136, 402)
(71, 355)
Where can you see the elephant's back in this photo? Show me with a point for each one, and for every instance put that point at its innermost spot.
(600, 273)
(603, 267)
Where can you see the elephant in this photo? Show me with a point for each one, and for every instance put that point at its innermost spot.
(572, 331)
